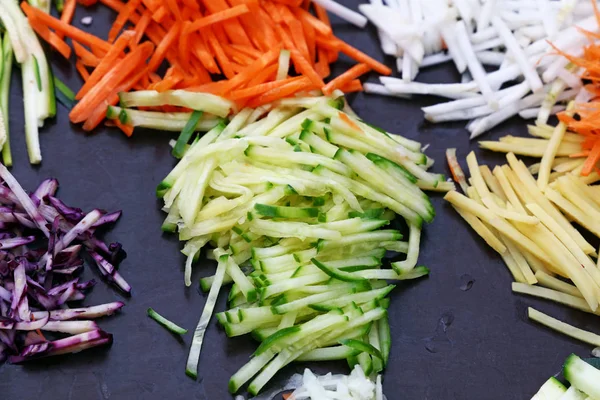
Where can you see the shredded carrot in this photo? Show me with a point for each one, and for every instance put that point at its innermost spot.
(109, 82)
(345, 78)
(349, 122)
(226, 47)
(67, 13)
(107, 63)
(82, 70)
(352, 86)
(52, 38)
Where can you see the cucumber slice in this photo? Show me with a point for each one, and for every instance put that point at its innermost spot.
(336, 273)
(193, 100)
(329, 354)
(553, 389)
(170, 326)
(363, 347)
(582, 376)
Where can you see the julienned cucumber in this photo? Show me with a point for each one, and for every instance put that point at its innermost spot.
(294, 206)
(583, 377)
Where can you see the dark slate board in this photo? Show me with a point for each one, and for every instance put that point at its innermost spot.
(490, 351)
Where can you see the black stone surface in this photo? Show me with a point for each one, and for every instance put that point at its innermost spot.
(490, 351)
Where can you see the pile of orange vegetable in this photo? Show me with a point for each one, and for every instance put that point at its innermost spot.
(229, 48)
(585, 119)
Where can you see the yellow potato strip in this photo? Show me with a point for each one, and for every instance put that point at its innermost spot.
(553, 283)
(553, 295)
(564, 328)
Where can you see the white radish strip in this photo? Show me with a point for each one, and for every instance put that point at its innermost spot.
(375, 88)
(435, 59)
(464, 10)
(343, 12)
(583, 96)
(391, 22)
(487, 123)
(427, 88)
(489, 44)
(453, 47)
(490, 57)
(531, 113)
(572, 80)
(483, 20)
(533, 32)
(551, 72)
(517, 52)
(548, 17)
(484, 35)
(475, 67)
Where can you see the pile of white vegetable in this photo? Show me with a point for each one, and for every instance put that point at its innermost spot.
(294, 200)
(308, 386)
(501, 47)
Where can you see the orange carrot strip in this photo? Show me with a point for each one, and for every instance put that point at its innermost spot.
(234, 30)
(264, 61)
(322, 66)
(310, 37)
(160, 14)
(107, 63)
(249, 51)
(359, 56)
(292, 3)
(237, 55)
(64, 28)
(305, 68)
(183, 44)
(266, 75)
(67, 13)
(50, 37)
(322, 15)
(122, 18)
(345, 78)
(281, 92)
(580, 154)
(260, 89)
(317, 24)
(82, 70)
(87, 58)
(126, 129)
(352, 86)
(82, 110)
(163, 47)
(592, 160)
(220, 16)
(212, 87)
(174, 8)
(224, 62)
(348, 121)
(297, 32)
(285, 38)
(142, 25)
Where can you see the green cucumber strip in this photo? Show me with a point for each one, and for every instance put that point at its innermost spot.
(7, 61)
(336, 273)
(328, 354)
(186, 134)
(274, 338)
(165, 323)
(51, 94)
(36, 70)
(286, 212)
(65, 90)
(582, 375)
(385, 338)
(362, 347)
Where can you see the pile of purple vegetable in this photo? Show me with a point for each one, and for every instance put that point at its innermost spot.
(41, 249)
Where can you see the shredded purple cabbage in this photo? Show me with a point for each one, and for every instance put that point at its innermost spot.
(38, 283)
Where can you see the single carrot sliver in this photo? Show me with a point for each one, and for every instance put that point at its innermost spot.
(305, 68)
(52, 38)
(281, 92)
(346, 77)
(122, 18)
(163, 47)
(260, 89)
(67, 13)
(220, 16)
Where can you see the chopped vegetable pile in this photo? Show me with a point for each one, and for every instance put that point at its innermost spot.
(502, 48)
(250, 44)
(529, 223)
(41, 242)
(294, 201)
(583, 375)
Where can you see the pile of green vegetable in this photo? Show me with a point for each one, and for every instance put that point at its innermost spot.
(583, 376)
(298, 205)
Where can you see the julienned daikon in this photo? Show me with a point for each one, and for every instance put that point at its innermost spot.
(296, 205)
(38, 84)
(522, 75)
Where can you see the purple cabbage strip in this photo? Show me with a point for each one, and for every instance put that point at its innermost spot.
(7, 196)
(19, 304)
(48, 187)
(71, 344)
(110, 272)
(24, 200)
(108, 218)
(6, 323)
(32, 325)
(85, 312)
(71, 214)
(71, 327)
(5, 295)
(15, 242)
(82, 226)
